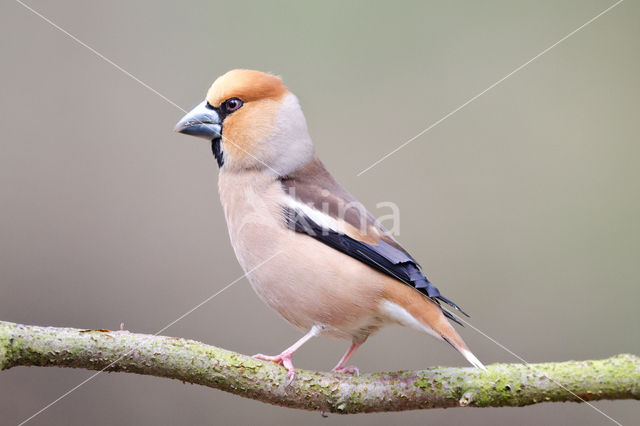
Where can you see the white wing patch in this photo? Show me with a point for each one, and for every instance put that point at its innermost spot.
(317, 216)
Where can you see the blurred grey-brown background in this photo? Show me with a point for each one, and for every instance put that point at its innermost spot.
(523, 207)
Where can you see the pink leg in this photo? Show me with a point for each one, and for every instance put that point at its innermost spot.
(285, 358)
(349, 369)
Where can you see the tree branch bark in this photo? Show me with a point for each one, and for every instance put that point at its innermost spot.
(617, 377)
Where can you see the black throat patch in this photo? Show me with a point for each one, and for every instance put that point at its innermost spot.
(217, 150)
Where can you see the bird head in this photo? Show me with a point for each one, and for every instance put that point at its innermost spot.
(253, 121)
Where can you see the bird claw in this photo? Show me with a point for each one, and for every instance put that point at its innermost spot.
(277, 358)
(283, 359)
(291, 375)
(350, 369)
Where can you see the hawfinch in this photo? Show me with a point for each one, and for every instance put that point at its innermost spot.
(311, 251)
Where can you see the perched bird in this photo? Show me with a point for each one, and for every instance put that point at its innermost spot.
(311, 251)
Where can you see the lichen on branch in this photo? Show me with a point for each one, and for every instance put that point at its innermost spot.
(617, 377)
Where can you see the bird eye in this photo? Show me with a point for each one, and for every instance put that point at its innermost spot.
(231, 104)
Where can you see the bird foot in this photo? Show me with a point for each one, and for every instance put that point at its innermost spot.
(349, 369)
(284, 359)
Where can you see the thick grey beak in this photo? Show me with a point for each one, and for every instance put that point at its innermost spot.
(201, 121)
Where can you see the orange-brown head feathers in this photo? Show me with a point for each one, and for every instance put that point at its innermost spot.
(254, 122)
(248, 85)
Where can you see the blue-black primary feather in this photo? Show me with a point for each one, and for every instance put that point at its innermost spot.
(382, 257)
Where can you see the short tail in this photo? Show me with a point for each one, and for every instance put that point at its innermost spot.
(408, 307)
(465, 352)
(451, 336)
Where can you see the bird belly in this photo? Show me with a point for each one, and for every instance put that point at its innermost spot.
(309, 283)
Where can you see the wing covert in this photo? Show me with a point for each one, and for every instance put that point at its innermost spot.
(352, 229)
(382, 257)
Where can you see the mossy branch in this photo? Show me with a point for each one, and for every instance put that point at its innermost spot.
(617, 377)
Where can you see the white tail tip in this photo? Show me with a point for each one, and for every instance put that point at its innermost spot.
(473, 360)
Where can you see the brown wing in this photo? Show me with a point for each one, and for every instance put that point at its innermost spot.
(313, 185)
(358, 234)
